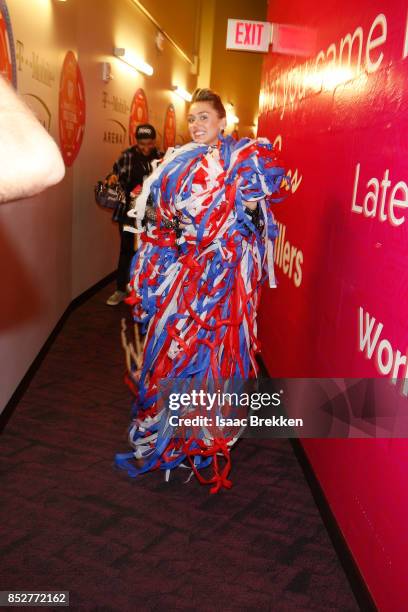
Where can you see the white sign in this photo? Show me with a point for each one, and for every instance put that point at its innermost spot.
(248, 35)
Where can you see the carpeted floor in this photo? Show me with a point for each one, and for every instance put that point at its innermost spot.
(71, 521)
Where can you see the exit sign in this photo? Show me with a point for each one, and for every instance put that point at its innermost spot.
(247, 35)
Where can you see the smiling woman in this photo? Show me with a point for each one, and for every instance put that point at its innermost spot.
(196, 286)
(207, 117)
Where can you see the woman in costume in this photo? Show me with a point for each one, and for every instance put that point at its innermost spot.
(206, 248)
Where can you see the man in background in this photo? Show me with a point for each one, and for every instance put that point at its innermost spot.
(133, 165)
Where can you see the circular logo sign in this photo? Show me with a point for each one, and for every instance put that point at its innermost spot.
(169, 131)
(71, 109)
(138, 114)
(8, 68)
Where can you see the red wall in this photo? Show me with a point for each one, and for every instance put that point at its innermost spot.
(341, 306)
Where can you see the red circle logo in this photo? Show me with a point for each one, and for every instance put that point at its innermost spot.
(169, 131)
(71, 109)
(138, 114)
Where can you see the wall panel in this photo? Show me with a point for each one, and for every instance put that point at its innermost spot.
(58, 244)
(340, 118)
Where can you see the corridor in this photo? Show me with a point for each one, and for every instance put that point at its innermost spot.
(72, 522)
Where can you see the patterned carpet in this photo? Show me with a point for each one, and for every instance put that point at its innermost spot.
(71, 521)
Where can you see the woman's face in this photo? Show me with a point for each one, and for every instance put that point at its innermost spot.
(204, 124)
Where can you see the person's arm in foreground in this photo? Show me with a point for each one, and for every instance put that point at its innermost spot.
(30, 160)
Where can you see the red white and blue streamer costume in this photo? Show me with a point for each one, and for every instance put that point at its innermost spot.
(196, 291)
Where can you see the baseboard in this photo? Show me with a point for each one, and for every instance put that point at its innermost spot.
(344, 554)
(22, 387)
(356, 581)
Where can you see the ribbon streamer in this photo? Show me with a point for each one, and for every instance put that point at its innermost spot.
(195, 293)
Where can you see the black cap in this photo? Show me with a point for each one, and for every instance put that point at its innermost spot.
(145, 131)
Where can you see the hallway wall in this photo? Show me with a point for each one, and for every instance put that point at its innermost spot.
(340, 118)
(36, 233)
(236, 74)
(58, 244)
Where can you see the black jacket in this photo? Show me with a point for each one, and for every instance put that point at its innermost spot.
(131, 168)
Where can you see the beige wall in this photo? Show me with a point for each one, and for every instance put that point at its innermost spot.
(58, 244)
(122, 25)
(236, 75)
(35, 234)
(201, 26)
(180, 20)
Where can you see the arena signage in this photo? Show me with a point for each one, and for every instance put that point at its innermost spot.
(341, 257)
(377, 201)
